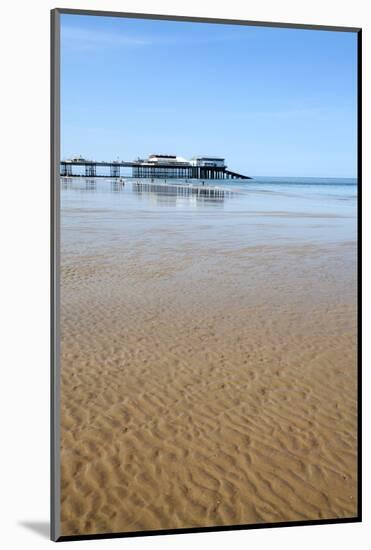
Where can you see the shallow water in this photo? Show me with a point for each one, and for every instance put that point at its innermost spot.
(254, 213)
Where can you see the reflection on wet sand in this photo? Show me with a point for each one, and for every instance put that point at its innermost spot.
(162, 193)
(86, 184)
(168, 194)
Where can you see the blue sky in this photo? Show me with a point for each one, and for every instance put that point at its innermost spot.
(278, 102)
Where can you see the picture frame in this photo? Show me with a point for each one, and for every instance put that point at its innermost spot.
(56, 277)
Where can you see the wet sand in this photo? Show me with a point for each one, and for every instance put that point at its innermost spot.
(206, 380)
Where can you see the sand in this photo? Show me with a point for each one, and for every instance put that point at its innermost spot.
(207, 384)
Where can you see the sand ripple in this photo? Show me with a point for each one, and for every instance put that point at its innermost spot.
(198, 391)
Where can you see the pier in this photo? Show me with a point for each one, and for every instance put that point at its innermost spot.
(155, 166)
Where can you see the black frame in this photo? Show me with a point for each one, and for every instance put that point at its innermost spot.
(55, 238)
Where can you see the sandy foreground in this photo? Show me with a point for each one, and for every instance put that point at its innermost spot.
(205, 385)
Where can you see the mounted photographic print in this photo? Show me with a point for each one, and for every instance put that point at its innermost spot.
(205, 193)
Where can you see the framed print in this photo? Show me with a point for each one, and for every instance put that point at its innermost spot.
(206, 191)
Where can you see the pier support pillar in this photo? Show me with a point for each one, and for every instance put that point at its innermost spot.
(90, 170)
(114, 171)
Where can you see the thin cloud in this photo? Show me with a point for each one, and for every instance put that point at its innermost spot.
(80, 39)
(315, 113)
(306, 112)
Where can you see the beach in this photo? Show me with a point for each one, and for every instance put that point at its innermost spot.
(208, 354)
